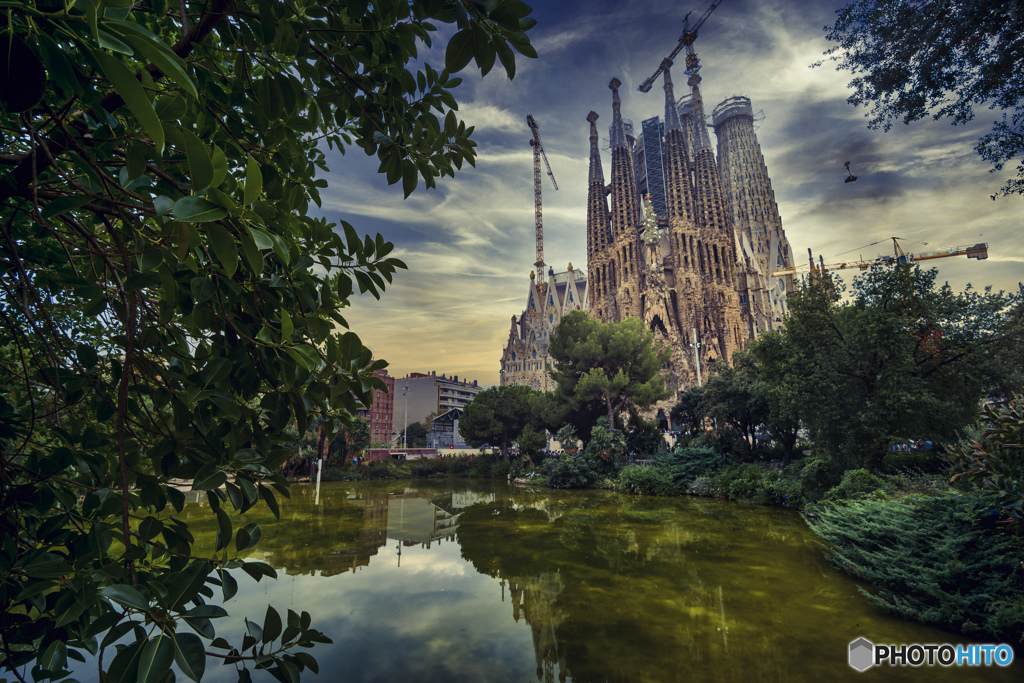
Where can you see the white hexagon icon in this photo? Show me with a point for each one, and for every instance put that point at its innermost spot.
(862, 654)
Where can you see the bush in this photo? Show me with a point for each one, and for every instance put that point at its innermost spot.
(926, 462)
(939, 560)
(642, 480)
(856, 484)
(571, 472)
(725, 440)
(784, 491)
(704, 486)
(686, 464)
(995, 462)
(817, 475)
(742, 482)
(384, 469)
(489, 466)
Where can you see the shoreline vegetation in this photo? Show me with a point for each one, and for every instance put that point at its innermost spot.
(922, 541)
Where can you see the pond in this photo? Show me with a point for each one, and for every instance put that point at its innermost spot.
(459, 581)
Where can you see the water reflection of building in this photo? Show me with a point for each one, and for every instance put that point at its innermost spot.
(533, 599)
(415, 520)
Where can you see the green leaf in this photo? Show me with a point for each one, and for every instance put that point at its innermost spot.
(189, 655)
(208, 478)
(228, 585)
(186, 584)
(286, 324)
(129, 596)
(205, 612)
(268, 495)
(459, 51)
(87, 355)
(124, 667)
(224, 247)
(130, 90)
(253, 183)
(271, 625)
(197, 210)
(155, 659)
(220, 166)
(248, 536)
(113, 43)
(223, 529)
(63, 205)
(157, 52)
(261, 238)
(55, 658)
(200, 166)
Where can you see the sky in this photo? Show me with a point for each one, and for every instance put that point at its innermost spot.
(469, 243)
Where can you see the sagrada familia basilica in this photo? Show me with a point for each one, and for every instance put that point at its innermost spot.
(677, 238)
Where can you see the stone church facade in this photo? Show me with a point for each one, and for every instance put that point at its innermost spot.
(696, 270)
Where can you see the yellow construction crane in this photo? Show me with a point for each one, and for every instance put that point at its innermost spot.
(538, 152)
(685, 41)
(976, 251)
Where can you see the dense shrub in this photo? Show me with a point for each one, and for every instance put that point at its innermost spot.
(489, 466)
(783, 491)
(384, 469)
(606, 452)
(683, 465)
(440, 467)
(647, 481)
(927, 462)
(856, 484)
(725, 440)
(742, 482)
(817, 475)
(994, 463)
(339, 474)
(704, 486)
(939, 560)
(571, 472)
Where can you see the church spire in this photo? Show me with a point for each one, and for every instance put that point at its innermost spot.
(672, 121)
(618, 130)
(596, 170)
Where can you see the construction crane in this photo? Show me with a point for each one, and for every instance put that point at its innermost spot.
(685, 41)
(976, 251)
(538, 152)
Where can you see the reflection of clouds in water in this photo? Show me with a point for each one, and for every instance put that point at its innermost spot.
(389, 622)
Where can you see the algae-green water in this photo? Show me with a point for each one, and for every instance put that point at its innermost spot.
(457, 581)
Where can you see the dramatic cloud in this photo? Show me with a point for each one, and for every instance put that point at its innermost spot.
(469, 243)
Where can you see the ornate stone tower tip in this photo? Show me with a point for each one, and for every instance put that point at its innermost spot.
(592, 116)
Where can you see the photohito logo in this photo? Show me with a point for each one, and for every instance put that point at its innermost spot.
(864, 654)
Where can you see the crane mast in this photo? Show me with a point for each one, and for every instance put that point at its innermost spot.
(685, 41)
(538, 152)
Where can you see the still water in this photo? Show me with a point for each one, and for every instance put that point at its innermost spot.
(427, 581)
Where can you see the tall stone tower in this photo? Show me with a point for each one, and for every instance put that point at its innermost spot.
(677, 271)
(763, 246)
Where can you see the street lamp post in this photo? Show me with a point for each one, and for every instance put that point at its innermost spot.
(696, 354)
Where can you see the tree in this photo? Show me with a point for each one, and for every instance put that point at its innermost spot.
(780, 385)
(736, 396)
(416, 435)
(497, 416)
(940, 58)
(614, 365)
(901, 359)
(532, 444)
(170, 308)
(691, 410)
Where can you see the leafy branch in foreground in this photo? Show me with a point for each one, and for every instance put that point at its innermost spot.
(169, 310)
